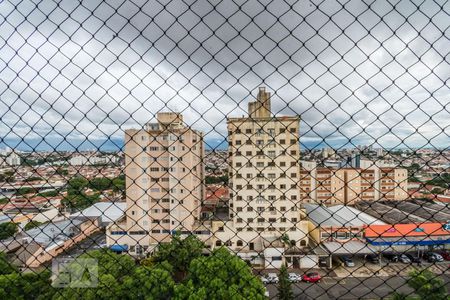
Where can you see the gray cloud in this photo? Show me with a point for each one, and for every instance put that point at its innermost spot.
(375, 74)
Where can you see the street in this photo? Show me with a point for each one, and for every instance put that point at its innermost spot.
(350, 288)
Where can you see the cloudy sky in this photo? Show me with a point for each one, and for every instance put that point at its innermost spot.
(365, 72)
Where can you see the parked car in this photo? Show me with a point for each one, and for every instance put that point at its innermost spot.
(433, 257)
(414, 258)
(265, 280)
(391, 257)
(273, 278)
(294, 277)
(404, 259)
(312, 277)
(373, 258)
(445, 254)
(348, 262)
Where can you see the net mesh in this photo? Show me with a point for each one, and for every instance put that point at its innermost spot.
(224, 149)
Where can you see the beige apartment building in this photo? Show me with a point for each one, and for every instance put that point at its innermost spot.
(264, 195)
(164, 184)
(332, 186)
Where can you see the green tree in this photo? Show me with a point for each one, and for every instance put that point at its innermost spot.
(52, 193)
(220, 276)
(32, 224)
(113, 271)
(33, 178)
(24, 286)
(76, 185)
(118, 184)
(100, 183)
(7, 176)
(216, 179)
(426, 285)
(284, 285)
(5, 266)
(7, 230)
(81, 201)
(61, 171)
(285, 240)
(150, 283)
(24, 191)
(179, 253)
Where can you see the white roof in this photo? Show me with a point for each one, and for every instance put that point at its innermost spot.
(338, 216)
(355, 215)
(107, 211)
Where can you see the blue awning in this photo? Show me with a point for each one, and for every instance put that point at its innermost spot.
(119, 248)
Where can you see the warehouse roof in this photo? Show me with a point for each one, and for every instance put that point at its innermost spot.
(108, 212)
(338, 216)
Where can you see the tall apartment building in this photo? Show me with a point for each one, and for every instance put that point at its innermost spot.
(164, 183)
(263, 170)
(348, 185)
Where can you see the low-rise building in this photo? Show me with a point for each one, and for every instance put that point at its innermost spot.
(408, 237)
(346, 186)
(339, 229)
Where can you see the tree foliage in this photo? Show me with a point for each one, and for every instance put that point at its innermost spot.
(284, 285)
(221, 275)
(426, 285)
(216, 179)
(7, 230)
(32, 224)
(5, 266)
(24, 286)
(180, 253)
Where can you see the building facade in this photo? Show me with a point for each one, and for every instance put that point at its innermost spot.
(164, 183)
(332, 186)
(264, 195)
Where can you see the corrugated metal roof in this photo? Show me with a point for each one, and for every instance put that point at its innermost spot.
(338, 216)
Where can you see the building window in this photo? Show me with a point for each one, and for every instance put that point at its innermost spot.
(276, 258)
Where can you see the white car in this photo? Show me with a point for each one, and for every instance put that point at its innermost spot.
(294, 277)
(273, 278)
(265, 280)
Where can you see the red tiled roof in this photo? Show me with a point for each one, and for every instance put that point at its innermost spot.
(402, 230)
